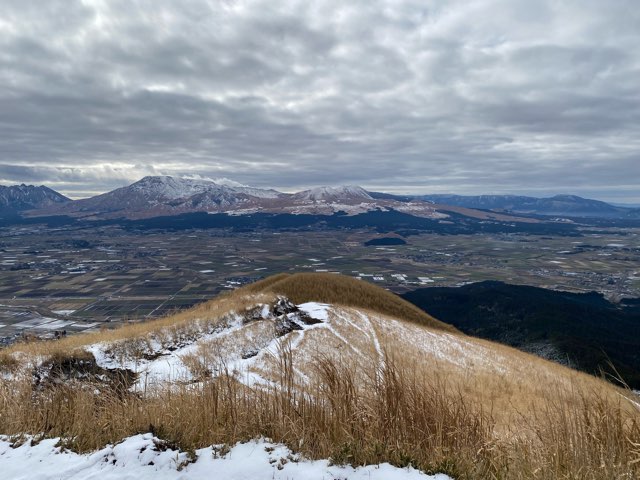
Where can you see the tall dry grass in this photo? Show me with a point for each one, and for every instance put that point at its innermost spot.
(395, 413)
(404, 412)
(347, 291)
(180, 326)
(300, 288)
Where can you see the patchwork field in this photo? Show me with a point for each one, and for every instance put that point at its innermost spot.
(52, 282)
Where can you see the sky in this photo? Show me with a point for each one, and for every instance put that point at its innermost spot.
(457, 96)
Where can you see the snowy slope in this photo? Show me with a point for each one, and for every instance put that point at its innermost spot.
(171, 188)
(247, 345)
(248, 339)
(165, 195)
(144, 457)
(154, 196)
(333, 194)
(24, 197)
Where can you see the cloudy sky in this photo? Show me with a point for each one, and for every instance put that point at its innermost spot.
(470, 96)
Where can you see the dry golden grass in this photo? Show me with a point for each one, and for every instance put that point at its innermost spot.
(534, 420)
(300, 288)
(398, 414)
(180, 323)
(516, 385)
(393, 416)
(347, 291)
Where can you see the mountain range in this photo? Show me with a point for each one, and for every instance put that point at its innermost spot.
(155, 196)
(565, 205)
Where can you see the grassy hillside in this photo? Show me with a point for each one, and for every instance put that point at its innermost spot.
(385, 384)
(582, 330)
(348, 291)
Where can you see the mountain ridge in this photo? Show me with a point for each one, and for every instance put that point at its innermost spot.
(154, 196)
(27, 197)
(563, 204)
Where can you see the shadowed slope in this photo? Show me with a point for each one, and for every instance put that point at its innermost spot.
(582, 330)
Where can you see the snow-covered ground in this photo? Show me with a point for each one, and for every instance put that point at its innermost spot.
(331, 194)
(162, 365)
(174, 188)
(248, 348)
(143, 457)
(319, 311)
(244, 346)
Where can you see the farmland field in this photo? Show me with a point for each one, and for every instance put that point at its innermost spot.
(51, 281)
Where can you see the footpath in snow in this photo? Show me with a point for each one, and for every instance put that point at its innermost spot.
(143, 457)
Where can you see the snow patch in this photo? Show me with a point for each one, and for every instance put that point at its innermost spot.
(319, 311)
(144, 457)
(321, 194)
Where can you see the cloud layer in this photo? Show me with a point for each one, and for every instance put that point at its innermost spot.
(469, 96)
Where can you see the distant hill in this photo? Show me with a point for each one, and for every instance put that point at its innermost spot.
(26, 197)
(566, 205)
(581, 330)
(384, 241)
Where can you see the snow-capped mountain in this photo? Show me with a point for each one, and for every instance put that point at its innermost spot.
(26, 197)
(164, 195)
(172, 188)
(165, 188)
(155, 196)
(333, 194)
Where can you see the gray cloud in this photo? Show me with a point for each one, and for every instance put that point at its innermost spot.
(469, 96)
